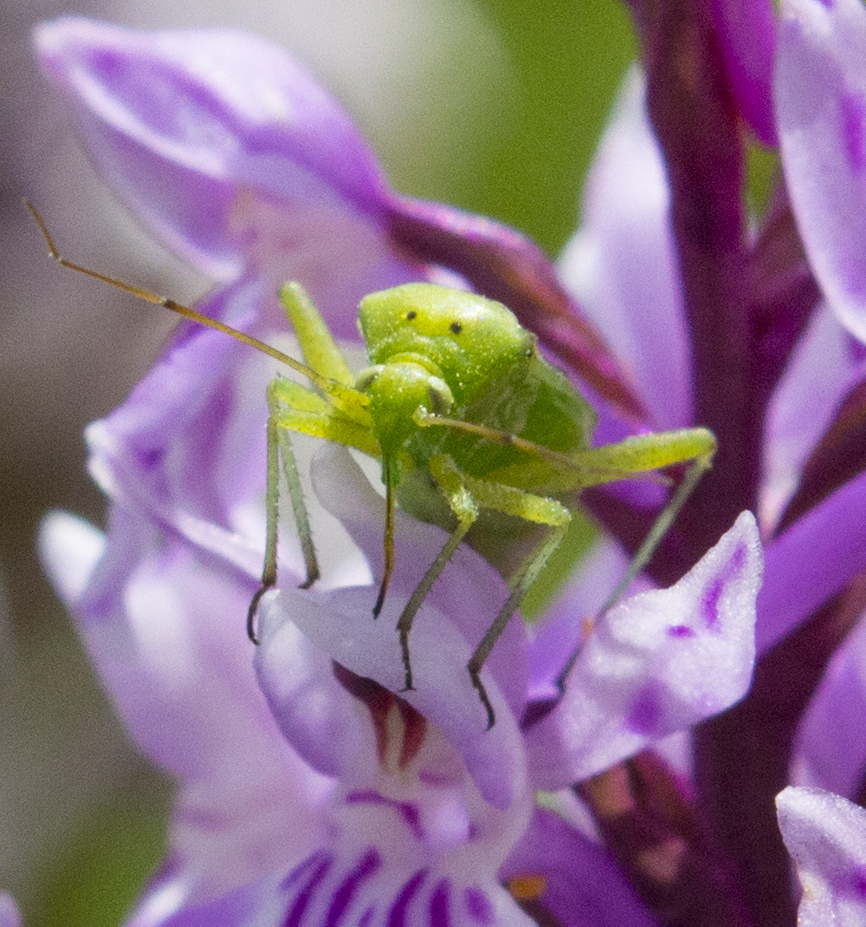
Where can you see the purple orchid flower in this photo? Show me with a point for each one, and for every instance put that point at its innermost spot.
(309, 790)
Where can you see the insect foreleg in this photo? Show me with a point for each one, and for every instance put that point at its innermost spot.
(463, 506)
(318, 345)
(293, 407)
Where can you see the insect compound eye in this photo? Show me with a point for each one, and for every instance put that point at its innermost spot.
(410, 315)
(456, 328)
(367, 376)
(441, 397)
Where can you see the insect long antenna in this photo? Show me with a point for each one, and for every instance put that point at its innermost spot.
(387, 474)
(177, 307)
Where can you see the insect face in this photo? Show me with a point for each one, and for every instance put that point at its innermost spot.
(466, 339)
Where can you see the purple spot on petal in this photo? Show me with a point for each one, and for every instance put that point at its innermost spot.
(713, 592)
(440, 916)
(710, 601)
(408, 812)
(478, 905)
(828, 3)
(397, 914)
(366, 917)
(367, 866)
(305, 894)
(859, 880)
(853, 117)
(681, 630)
(150, 458)
(645, 712)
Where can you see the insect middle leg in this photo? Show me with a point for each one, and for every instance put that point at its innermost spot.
(467, 495)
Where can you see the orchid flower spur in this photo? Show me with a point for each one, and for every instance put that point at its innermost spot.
(310, 789)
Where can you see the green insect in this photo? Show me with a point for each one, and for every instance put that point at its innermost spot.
(464, 414)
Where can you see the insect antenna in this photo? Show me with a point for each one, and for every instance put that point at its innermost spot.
(323, 382)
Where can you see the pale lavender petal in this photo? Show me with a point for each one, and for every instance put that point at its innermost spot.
(579, 883)
(830, 750)
(819, 374)
(826, 837)
(469, 591)
(658, 662)
(820, 90)
(747, 31)
(233, 155)
(814, 559)
(181, 121)
(167, 635)
(621, 264)
(9, 913)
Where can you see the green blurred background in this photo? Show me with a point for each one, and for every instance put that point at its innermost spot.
(495, 105)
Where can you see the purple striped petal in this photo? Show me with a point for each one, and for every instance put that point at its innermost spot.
(826, 837)
(656, 663)
(820, 90)
(454, 616)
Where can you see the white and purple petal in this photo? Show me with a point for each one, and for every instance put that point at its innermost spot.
(826, 837)
(656, 663)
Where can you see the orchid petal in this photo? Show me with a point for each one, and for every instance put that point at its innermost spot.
(820, 89)
(167, 637)
(340, 622)
(839, 705)
(656, 663)
(558, 872)
(9, 913)
(232, 154)
(826, 837)
(811, 561)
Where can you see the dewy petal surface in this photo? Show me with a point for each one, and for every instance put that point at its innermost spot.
(820, 91)
(656, 663)
(826, 837)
